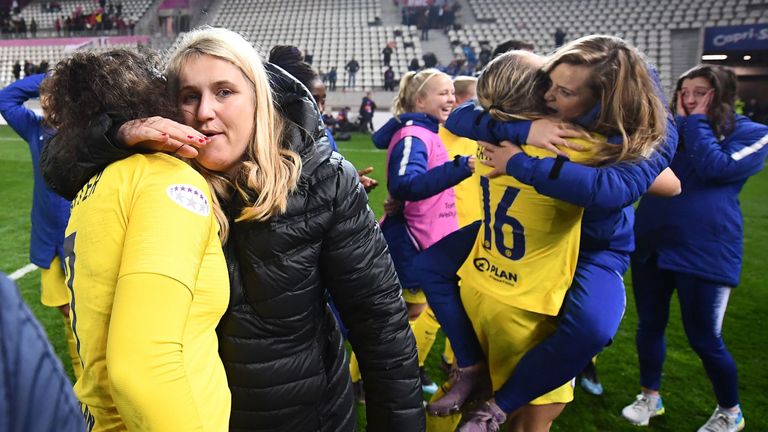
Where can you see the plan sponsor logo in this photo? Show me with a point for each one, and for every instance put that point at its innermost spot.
(497, 273)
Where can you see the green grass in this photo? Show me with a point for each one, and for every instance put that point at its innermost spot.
(687, 393)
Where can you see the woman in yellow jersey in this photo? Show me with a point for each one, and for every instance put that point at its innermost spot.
(512, 303)
(297, 228)
(147, 292)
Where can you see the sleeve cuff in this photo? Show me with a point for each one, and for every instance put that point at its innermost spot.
(520, 166)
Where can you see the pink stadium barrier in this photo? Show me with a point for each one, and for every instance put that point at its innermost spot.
(76, 41)
(174, 4)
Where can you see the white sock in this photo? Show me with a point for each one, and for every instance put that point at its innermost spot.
(728, 412)
(651, 396)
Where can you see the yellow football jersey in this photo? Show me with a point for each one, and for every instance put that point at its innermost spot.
(468, 191)
(527, 247)
(147, 215)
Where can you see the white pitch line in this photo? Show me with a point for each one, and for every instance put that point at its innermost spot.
(343, 150)
(20, 273)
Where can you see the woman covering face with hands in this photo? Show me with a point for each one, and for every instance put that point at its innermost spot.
(296, 226)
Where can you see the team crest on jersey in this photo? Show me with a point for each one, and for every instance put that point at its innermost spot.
(189, 197)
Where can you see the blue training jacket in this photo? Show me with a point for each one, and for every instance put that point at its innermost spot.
(50, 212)
(35, 393)
(700, 231)
(417, 183)
(606, 193)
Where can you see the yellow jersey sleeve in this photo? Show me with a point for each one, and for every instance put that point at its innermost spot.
(164, 209)
(468, 191)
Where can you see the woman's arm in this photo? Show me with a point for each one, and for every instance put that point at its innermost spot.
(409, 178)
(145, 358)
(666, 184)
(68, 161)
(743, 156)
(21, 119)
(159, 268)
(471, 121)
(603, 188)
(611, 187)
(361, 278)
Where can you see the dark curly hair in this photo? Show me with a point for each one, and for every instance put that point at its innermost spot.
(124, 84)
(289, 59)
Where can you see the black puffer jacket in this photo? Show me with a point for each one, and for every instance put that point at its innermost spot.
(280, 344)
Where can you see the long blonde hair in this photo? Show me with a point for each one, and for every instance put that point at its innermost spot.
(511, 87)
(413, 85)
(269, 171)
(508, 87)
(620, 81)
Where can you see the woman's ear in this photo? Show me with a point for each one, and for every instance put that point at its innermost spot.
(418, 103)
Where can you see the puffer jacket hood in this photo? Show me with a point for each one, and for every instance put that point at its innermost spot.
(383, 136)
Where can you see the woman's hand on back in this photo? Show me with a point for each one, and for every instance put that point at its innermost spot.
(497, 156)
(163, 135)
(550, 134)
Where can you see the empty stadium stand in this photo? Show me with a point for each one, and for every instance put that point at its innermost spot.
(649, 25)
(333, 31)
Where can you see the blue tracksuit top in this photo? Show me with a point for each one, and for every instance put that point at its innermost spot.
(700, 231)
(50, 212)
(417, 183)
(606, 193)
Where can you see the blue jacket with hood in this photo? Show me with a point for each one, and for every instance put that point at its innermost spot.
(417, 182)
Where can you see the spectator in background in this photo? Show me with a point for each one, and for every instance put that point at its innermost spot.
(511, 45)
(389, 79)
(43, 68)
(485, 54)
(430, 60)
(559, 37)
(471, 58)
(332, 79)
(753, 110)
(16, 70)
(367, 108)
(352, 67)
(414, 66)
(342, 119)
(33, 28)
(36, 394)
(387, 55)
